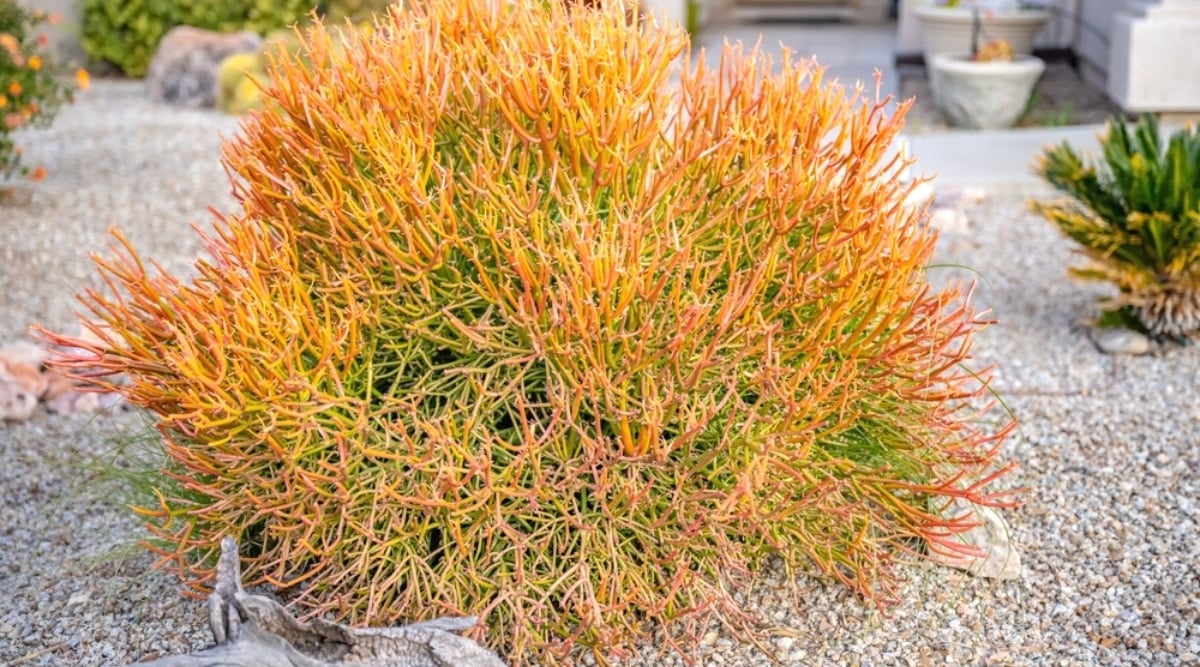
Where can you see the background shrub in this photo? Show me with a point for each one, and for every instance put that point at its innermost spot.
(356, 11)
(30, 92)
(509, 324)
(126, 32)
(241, 77)
(238, 82)
(1136, 215)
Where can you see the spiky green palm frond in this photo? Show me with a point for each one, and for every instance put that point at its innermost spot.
(1136, 215)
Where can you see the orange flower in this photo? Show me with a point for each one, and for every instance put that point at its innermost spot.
(82, 78)
(3, 101)
(38, 173)
(42, 40)
(35, 63)
(54, 18)
(9, 43)
(12, 120)
(14, 88)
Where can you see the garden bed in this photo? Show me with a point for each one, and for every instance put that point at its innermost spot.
(1106, 445)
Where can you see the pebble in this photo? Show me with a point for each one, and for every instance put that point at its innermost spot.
(1121, 341)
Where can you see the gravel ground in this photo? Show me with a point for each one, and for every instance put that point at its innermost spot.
(1107, 446)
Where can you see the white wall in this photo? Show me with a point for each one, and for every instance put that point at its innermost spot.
(1091, 46)
(1062, 29)
(1154, 57)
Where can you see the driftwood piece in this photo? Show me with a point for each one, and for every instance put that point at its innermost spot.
(254, 630)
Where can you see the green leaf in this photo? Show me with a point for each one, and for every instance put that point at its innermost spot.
(1138, 207)
(1123, 317)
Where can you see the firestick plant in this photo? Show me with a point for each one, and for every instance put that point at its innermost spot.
(509, 323)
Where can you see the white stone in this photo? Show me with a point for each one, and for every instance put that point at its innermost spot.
(24, 352)
(16, 402)
(992, 536)
(949, 219)
(1120, 341)
(921, 195)
(983, 95)
(973, 196)
(960, 197)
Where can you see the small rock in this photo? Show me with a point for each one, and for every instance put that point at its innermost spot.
(949, 210)
(25, 376)
(24, 382)
(16, 403)
(973, 196)
(21, 381)
(921, 195)
(948, 220)
(960, 197)
(23, 352)
(998, 658)
(1120, 341)
(992, 536)
(184, 68)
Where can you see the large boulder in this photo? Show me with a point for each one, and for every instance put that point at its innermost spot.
(184, 68)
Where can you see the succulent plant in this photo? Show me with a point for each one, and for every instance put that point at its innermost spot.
(510, 324)
(1136, 216)
(242, 76)
(238, 80)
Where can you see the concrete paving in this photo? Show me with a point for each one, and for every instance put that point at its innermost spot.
(994, 158)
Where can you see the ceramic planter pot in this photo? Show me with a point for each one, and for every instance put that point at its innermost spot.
(948, 29)
(983, 95)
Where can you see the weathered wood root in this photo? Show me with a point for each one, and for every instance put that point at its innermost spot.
(253, 630)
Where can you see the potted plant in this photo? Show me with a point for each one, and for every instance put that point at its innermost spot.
(947, 25)
(986, 88)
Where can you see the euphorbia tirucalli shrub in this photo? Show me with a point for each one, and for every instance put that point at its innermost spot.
(509, 324)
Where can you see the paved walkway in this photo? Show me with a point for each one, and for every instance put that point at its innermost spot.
(994, 158)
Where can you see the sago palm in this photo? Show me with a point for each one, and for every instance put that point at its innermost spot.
(1137, 216)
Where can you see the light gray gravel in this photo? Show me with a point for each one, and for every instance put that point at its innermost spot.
(1107, 445)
